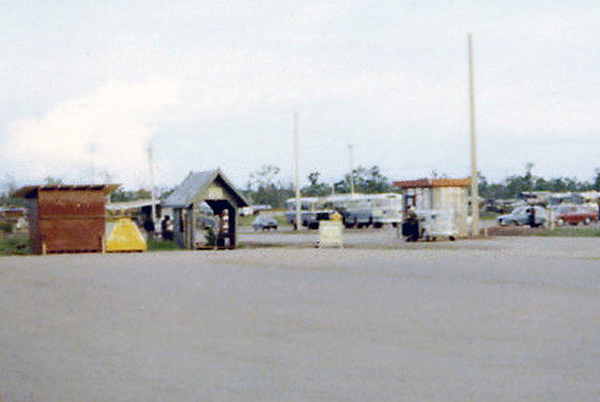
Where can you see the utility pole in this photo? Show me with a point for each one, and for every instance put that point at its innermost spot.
(474, 173)
(350, 148)
(297, 172)
(151, 167)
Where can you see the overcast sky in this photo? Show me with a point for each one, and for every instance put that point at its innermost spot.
(85, 86)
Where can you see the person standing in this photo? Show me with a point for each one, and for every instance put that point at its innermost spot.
(166, 228)
(532, 216)
(149, 228)
(410, 227)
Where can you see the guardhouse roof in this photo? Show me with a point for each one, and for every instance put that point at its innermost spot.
(195, 187)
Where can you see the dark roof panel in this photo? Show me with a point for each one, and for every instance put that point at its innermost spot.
(32, 191)
(195, 183)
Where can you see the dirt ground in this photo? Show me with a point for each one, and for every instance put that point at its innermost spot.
(505, 319)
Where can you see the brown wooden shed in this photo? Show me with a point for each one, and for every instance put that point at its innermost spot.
(66, 218)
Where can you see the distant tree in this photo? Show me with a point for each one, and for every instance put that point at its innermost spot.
(342, 186)
(53, 181)
(366, 180)
(484, 187)
(165, 193)
(7, 188)
(316, 187)
(266, 176)
(596, 184)
(122, 195)
(541, 184)
(370, 180)
(264, 187)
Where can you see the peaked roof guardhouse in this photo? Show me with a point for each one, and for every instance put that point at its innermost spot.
(210, 187)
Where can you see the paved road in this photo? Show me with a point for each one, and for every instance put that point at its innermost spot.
(385, 238)
(485, 320)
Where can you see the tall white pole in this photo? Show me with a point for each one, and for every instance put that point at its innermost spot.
(350, 148)
(474, 173)
(297, 172)
(151, 167)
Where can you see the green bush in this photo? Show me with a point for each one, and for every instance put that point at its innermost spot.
(15, 245)
(210, 237)
(6, 227)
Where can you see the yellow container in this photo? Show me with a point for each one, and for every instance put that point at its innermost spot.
(123, 235)
(336, 216)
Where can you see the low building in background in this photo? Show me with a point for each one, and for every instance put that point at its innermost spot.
(447, 195)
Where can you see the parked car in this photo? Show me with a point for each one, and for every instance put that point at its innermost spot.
(574, 214)
(264, 222)
(520, 216)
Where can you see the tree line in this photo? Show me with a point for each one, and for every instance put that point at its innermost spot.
(265, 186)
(514, 185)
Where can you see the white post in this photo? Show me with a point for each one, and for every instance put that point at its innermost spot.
(474, 173)
(350, 147)
(297, 172)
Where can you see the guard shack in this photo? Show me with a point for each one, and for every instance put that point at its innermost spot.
(66, 218)
(449, 195)
(210, 188)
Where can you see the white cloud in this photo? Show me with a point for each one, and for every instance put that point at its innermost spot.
(106, 130)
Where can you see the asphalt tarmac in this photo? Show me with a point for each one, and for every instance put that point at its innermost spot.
(507, 319)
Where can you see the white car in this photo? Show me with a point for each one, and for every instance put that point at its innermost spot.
(264, 222)
(520, 216)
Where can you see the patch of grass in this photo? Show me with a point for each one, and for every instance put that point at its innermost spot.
(489, 216)
(162, 245)
(6, 227)
(245, 220)
(569, 232)
(15, 245)
(281, 221)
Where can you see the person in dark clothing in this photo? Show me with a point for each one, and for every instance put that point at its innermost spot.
(410, 227)
(149, 228)
(166, 231)
(531, 217)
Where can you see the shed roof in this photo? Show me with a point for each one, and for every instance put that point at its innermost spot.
(430, 183)
(32, 191)
(195, 186)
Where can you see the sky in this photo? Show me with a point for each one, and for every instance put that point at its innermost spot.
(86, 87)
